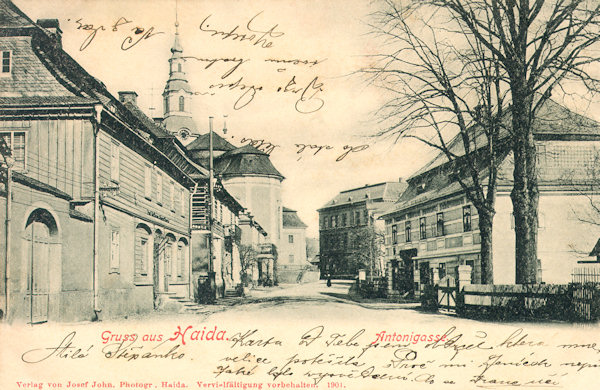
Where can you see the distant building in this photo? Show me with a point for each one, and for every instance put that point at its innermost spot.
(433, 228)
(292, 254)
(249, 175)
(223, 218)
(346, 221)
(245, 173)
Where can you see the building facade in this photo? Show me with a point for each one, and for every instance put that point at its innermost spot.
(292, 260)
(433, 228)
(349, 233)
(99, 203)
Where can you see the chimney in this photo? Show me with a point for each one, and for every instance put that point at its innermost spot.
(128, 97)
(52, 26)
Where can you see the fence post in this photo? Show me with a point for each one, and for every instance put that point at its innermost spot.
(464, 278)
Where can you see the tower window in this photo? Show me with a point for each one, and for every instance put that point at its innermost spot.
(179, 67)
(167, 108)
(181, 103)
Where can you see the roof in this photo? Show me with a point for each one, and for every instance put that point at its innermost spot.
(12, 16)
(40, 186)
(46, 101)
(245, 161)
(291, 219)
(68, 83)
(553, 121)
(596, 250)
(202, 143)
(386, 192)
(155, 129)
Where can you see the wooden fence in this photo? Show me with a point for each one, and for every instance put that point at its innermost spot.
(576, 301)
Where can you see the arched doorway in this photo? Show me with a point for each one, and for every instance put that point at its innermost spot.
(41, 236)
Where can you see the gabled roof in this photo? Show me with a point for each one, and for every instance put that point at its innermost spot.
(384, 192)
(291, 219)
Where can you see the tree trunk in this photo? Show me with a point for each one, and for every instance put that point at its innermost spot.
(525, 196)
(485, 230)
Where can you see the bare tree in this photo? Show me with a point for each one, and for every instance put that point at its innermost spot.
(247, 258)
(485, 67)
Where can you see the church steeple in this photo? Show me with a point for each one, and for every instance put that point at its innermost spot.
(177, 96)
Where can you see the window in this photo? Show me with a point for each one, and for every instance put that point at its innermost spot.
(180, 260)
(15, 141)
(167, 108)
(182, 202)
(114, 161)
(344, 219)
(422, 228)
(291, 258)
(407, 231)
(366, 216)
(357, 217)
(168, 256)
(147, 181)
(6, 62)
(394, 234)
(467, 218)
(179, 67)
(291, 238)
(172, 195)
(114, 260)
(141, 251)
(181, 103)
(440, 224)
(159, 187)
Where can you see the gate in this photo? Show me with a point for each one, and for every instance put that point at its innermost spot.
(585, 293)
(447, 291)
(38, 294)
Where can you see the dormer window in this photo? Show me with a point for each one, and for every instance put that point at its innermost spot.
(6, 62)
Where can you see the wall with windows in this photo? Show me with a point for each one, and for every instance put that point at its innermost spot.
(54, 151)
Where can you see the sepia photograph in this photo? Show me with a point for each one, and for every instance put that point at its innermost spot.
(297, 194)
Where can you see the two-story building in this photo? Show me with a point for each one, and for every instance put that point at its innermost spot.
(292, 259)
(348, 232)
(433, 228)
(97, 203)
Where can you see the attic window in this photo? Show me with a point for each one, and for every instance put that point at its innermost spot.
(349, 199)
(6, 62)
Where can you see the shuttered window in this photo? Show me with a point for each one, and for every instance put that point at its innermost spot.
(148, 181)
(114, 262)
(114, 161)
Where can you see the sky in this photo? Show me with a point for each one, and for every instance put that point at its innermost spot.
(282, 71)
(262, 97)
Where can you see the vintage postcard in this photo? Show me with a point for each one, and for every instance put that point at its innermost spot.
(278, 194)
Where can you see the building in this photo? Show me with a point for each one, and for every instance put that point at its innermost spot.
(292, 261)
(433, 228)
(98, 218)
(348, 232)
(219, 223)
(249, 175)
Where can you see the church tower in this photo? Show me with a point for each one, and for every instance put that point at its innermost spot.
(177, 96)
